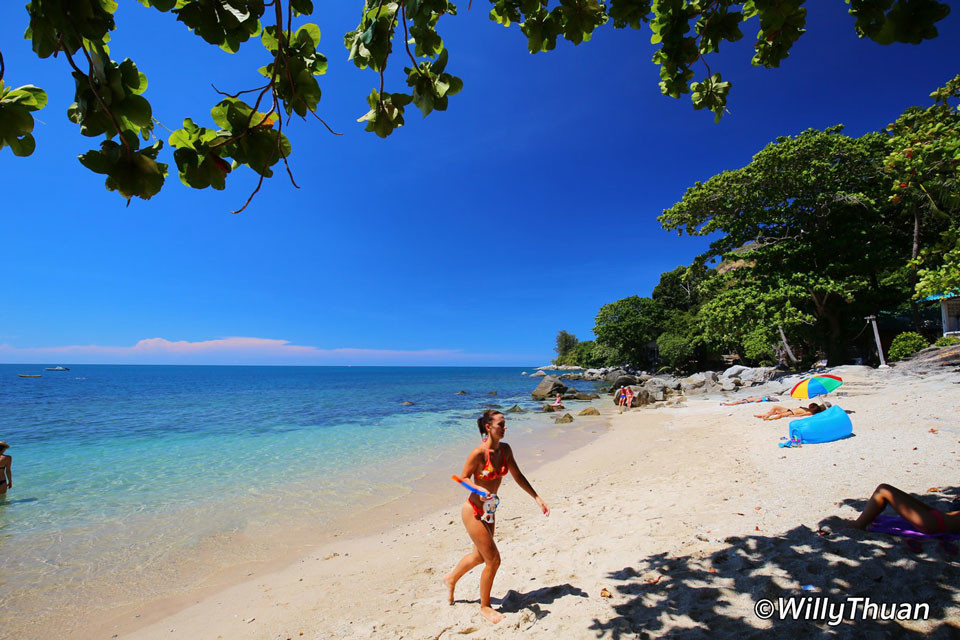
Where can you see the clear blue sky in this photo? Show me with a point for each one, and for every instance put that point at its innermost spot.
(470, 237)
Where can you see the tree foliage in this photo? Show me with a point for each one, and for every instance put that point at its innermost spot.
(924, 162)
(627, 326)
(906, 344)
(565, 343)
(110, 101)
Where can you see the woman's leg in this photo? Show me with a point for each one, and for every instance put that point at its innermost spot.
(910, 509)
(482, 535)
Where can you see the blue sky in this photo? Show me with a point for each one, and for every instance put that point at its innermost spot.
(466, 238)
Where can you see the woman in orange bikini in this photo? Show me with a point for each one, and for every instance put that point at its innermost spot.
(487, 465)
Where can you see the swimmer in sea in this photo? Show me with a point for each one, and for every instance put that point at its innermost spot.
(6, 475)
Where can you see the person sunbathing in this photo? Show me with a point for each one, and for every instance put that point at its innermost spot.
(749, 400)
(922, 516)
(778, 412)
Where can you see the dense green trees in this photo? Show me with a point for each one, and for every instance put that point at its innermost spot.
(808, 240)
(565, 343)
(111, 101)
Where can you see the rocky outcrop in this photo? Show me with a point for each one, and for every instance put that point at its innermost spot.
(624, 381)
(759, 375)
(586, 396)
(549, 387)
(553, 408)
(702, 382)
(564, 419)
(515, 409)
(538, 374)
(589, 411)
(734, 371)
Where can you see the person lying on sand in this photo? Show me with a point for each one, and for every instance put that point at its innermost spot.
(922, 516)
(778, 412)
(749, 400)
(487, 465)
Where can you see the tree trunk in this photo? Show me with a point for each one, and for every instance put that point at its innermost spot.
(914, 276)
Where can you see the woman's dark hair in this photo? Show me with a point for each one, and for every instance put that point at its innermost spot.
(815, 408)
(486, 419)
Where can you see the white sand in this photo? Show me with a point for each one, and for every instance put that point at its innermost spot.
(685, 516)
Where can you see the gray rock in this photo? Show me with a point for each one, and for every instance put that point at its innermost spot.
(624, 381)
(549, 387)
(586, 396)
(610, 376)
(564, 419)
(656, 394)
(538, 374)
(589, 411)
(727, 384)
(734, 371)
(552, 408)
(758, 375)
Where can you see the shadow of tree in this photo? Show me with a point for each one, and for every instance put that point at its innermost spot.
(707, 594)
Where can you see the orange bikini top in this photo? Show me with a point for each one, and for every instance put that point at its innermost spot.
(489, 472)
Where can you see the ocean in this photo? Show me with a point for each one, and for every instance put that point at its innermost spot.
(127, 477)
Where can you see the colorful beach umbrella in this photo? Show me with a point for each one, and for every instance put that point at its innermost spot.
(816, 386)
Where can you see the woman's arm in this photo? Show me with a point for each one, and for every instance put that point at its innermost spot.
(524, 483)
(470, 466)
(8, 468)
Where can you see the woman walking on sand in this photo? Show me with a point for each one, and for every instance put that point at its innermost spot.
(487, 464)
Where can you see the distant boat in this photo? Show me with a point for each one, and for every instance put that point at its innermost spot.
(29, 375)
(57, 368)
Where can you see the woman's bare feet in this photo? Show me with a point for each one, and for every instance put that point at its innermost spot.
(451, 585)
(491, 615)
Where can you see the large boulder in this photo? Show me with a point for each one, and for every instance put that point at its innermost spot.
(586, 396)
(552, 408)
(699, 382)
(610, 376)
(538, 374)
(640, 396)
(734, 371)
(549, 387)
(589, 411)
(728, 384)
(758, 375)
(657, 394)
(564, 419)
(593, 374)
(515, 409)
(624, 381)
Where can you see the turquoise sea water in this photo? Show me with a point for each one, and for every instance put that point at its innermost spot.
(129, 466)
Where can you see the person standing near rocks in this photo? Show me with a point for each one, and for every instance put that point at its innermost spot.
(621, 398)
(629, 394)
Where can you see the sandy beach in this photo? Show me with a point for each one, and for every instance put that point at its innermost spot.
(673, 523)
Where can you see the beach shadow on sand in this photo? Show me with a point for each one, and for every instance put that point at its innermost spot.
(694, 596)
(515, 601)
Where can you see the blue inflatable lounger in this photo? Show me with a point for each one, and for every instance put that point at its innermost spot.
(826, 426)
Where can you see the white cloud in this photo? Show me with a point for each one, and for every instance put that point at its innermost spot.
(246, 350)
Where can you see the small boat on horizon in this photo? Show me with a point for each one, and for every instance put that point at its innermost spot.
(57, 368)
(29, 375)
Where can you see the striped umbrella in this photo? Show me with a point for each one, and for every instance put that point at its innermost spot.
(816, 386)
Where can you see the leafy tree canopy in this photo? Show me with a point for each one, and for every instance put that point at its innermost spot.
(924, 162)
(810, 218)
(565, 343)
(627, 325)
(245, 128)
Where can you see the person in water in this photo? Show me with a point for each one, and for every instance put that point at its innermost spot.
(487, 464)
(778, 412)
(6, 475)
(924, 517)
